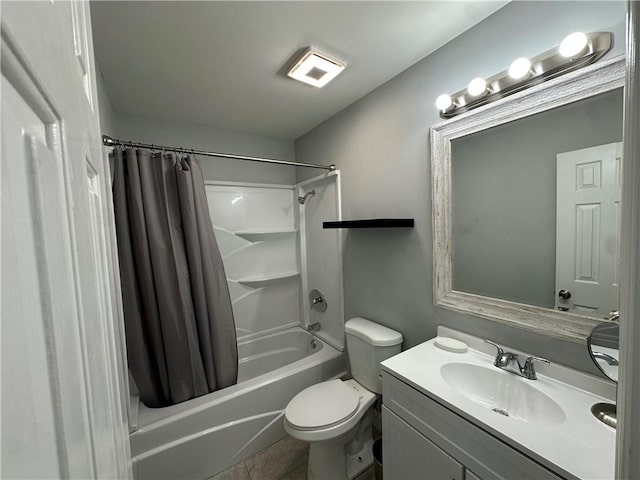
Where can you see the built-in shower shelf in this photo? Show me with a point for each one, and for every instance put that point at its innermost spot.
(372, 223)
(266, 279)
(260, 235)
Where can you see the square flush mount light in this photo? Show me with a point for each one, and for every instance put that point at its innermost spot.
(315, 68)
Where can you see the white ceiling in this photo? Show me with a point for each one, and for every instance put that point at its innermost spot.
(220, 63)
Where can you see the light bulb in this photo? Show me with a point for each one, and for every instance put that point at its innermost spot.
(520, 68)
(477, 87)
(573, 45)
(444, 102)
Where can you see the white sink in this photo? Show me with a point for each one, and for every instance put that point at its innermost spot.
(502, 392)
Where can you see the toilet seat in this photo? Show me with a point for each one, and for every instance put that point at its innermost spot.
(322, 406)
(339, 416)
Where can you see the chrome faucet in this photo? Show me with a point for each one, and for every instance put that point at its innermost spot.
(314, 327)
(511, 363)
(614, 316)
(607, 358)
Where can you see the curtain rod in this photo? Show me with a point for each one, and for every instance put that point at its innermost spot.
(112, 142)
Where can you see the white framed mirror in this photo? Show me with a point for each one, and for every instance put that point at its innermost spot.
(508, 243)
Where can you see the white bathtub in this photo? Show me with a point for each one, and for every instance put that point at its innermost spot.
(203, 436)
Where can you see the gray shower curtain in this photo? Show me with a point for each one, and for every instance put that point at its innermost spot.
(181, 336)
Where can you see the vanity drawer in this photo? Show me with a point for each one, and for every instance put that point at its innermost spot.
(476, 449)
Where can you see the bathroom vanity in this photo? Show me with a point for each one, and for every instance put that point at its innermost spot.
(456, 416)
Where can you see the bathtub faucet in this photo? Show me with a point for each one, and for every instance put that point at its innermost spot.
(314, 327)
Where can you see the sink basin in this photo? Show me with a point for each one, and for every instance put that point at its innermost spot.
(502, 392)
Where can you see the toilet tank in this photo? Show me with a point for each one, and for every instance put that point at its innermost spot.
(368, 344)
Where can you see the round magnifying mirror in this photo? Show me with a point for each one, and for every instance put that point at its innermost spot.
(603, 346)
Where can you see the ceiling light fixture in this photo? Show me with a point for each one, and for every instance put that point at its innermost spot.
(577, 50)
(315, 68)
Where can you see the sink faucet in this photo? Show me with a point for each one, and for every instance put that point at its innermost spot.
(614, 316)
(607, 358)
(511, 363)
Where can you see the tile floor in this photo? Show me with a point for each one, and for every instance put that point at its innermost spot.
(284, 460)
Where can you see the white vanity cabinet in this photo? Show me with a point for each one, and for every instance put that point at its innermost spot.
(424, 440)
(410, 455)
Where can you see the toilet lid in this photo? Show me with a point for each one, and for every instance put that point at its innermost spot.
(322, 405)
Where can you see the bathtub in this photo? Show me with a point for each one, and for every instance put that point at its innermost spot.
(201, 437)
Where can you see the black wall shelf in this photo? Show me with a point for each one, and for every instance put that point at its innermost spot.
(372, 223)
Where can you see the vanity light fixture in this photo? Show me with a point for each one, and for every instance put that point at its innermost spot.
(477, 87)
(315, 68)
(520, 68)
(444, 102)
(573, 45)
(576, 50)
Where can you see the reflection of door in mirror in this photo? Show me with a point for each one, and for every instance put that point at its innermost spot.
(587, 226)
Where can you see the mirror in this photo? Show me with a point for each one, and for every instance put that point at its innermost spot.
(525, 197)
(534, 208)
(603, 344)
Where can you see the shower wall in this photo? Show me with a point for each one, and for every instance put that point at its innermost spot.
(275, 252)
(256, 230)
(321, 255)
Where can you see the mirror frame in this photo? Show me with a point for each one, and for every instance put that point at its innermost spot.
(586, 82)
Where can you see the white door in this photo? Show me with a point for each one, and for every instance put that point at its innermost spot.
(587, 229)
(63, 395)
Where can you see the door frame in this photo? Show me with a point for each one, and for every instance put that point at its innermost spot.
(628, 435)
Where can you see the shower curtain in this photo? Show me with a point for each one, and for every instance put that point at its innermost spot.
(181, 336)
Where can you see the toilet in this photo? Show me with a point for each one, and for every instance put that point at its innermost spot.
(335, 416)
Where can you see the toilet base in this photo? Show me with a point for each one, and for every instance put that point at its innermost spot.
(343, 458)
(358, 463)
(323, 464)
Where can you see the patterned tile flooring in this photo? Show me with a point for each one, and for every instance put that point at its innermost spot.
(284, 460)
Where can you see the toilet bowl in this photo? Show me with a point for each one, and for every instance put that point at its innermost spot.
(335, 416)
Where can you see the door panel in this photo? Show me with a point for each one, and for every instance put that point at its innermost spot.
(587, 229)
(30, 382)
(62, 379)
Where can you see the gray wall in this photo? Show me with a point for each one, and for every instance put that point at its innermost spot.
(202, 137)
(105, 111)
(504, 198)
(380, 144)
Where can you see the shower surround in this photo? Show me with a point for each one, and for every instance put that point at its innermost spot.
(274, 252)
